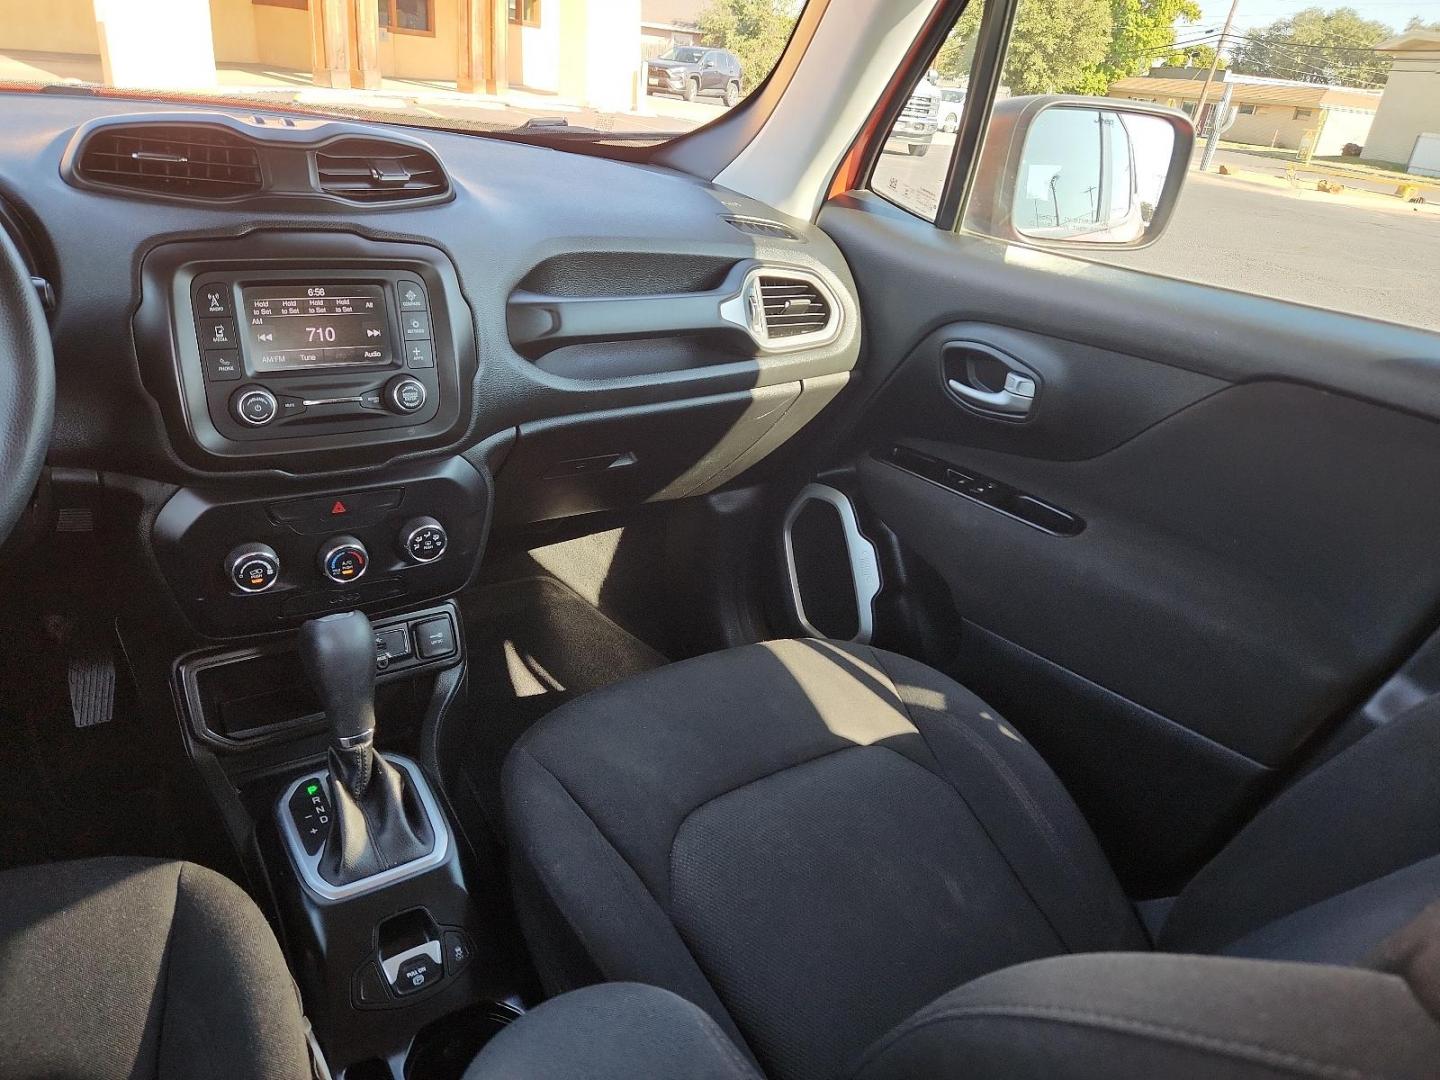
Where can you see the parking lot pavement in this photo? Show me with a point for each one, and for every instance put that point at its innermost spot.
(1358, 253)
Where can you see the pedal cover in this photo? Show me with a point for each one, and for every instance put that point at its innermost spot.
(92, 684)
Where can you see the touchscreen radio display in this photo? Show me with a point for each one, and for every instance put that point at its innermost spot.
(303, 325)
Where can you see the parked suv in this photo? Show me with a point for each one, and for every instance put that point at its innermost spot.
(692, 70)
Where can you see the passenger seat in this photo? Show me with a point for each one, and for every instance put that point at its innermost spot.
(813, 841)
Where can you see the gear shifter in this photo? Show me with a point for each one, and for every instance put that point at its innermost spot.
(378, 821)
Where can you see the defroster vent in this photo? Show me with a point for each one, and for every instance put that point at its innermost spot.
(186, 160)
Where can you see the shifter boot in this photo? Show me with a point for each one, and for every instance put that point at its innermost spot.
(377, 822)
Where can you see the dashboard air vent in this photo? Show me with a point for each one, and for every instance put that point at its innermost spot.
(376, 171)
(172, 159)
(792, 307)
(771, 230)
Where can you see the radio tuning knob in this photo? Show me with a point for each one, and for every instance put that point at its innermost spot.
(405, 394)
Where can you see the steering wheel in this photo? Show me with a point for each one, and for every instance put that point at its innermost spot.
(27, 386)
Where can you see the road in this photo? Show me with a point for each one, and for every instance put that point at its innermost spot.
(1357, 253)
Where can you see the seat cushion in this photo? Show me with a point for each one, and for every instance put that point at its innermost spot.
(808, 840)
(616, 1031)
(1139, 1016)
(131, 968)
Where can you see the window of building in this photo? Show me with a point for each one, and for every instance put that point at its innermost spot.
(1247, 110)
(525, 12)
(407, 16)
(1304, 114)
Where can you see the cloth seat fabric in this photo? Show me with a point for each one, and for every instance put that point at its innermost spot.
(129, 969)
(811, 841)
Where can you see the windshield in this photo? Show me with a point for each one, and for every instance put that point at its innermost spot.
(552, 68)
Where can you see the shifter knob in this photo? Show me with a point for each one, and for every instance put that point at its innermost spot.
(338, 652)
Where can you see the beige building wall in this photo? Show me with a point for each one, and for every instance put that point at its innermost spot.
(1273, 125)
(423, 56)
(1410, 107)
(533, 52)
(65, 26)
(233, 25)
(600, 53)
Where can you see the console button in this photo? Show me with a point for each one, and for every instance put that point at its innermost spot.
(291, 406)
(422, 539)
(457, 951)
(411, 295)
(213, 299)
(415, 324)
(253, 568)
(219, 334)
(344, 559)
(435, 637)
(254, 406)
(416, 974)
(405, 394)
(419, 354)
(223, 366)
(369, 987)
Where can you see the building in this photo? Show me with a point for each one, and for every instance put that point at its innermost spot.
(1269, 112)
(1410, 106)
(576, 49)
(667, 23)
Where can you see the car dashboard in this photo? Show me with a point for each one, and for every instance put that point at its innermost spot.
(327, 357)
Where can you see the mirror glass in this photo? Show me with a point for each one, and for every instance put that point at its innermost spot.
(1091, 175)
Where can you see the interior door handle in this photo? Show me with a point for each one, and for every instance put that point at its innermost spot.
(1016, 398)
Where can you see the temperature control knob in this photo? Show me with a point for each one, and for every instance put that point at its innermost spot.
(422, 539)
(405, 394)
(253, 406)
(252, 568)
(343, 559)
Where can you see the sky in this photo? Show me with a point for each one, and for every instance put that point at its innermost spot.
(1256, 13)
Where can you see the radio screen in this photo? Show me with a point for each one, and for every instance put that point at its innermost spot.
(293, 327)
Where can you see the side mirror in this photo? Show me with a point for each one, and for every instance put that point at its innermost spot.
(1066, 172)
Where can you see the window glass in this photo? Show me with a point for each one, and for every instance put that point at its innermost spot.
(582, 66)
(912, 166)
(1315, 189)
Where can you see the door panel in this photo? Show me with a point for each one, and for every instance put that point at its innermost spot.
(1258, 552)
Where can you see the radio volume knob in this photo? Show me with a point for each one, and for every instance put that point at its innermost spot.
(405, 394)
(253, 406)
(422, 540)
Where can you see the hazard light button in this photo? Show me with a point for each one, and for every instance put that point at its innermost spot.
(343, 509)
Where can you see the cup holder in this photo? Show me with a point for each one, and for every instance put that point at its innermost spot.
(444, 1049)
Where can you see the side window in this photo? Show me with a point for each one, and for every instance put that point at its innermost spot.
(912, 167)
(1312, 187)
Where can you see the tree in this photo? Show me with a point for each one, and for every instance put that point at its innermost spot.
(1141, 31)
(1195, 56)
(1416, 23)
(754, 30)
(1318, 46)
(1053, 47)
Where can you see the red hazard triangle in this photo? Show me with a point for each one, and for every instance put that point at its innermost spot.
(339, 508)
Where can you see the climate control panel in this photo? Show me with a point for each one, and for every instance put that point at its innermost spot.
(414, 538)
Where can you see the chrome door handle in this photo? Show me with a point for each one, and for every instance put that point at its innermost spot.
(1017, 397)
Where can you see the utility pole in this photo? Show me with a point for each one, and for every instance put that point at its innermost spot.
(1214, 64)
(1222, 116)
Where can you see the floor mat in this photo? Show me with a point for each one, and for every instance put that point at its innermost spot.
(533, 645)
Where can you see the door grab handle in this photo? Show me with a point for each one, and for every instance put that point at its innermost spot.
(1016, 399)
